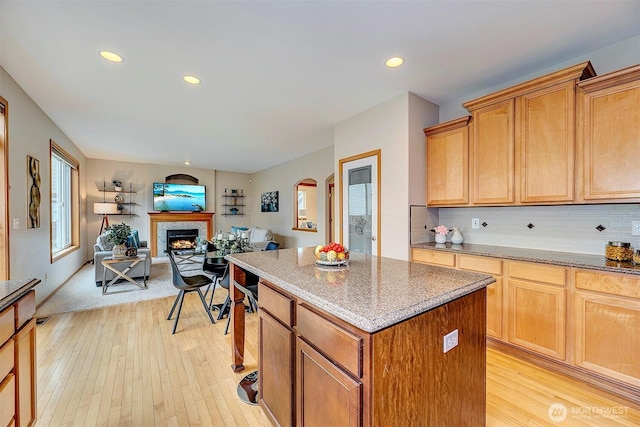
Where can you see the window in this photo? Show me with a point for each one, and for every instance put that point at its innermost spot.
(65, 224)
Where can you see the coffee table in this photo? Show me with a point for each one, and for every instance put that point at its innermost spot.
(121, 266)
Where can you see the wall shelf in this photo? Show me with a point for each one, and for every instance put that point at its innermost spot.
(233, 204)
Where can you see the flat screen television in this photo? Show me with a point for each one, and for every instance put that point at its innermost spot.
(179, 197)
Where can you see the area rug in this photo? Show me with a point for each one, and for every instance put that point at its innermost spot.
(81, 293)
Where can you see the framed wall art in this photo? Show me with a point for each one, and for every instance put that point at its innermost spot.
(33, 179)
(269, 201)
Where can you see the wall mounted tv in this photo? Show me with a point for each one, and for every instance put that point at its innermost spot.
(179, 197)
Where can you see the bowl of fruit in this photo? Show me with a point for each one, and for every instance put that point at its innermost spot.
(333, 254)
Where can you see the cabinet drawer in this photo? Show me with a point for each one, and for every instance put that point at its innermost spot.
(7, 400)
(338, 344)
(483, 265)
(623, 285)
(7, 326)
(278, 305)
(538, 273)
(6, 359)
(25, 308)
(433, 257)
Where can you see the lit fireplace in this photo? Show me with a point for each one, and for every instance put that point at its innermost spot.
(182, 239)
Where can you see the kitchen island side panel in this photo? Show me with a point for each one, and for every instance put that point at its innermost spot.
(416, 383)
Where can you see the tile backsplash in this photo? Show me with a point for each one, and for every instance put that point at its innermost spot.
(566, 228)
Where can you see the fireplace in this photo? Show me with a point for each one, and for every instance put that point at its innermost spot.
(184, 239)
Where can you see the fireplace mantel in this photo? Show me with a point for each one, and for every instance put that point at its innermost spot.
(156, 217)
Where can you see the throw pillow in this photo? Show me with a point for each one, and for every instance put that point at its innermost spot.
(237, 230)
(103, 243)
(136, 238)
(258, 235)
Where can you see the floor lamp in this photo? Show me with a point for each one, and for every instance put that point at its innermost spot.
(105, 209)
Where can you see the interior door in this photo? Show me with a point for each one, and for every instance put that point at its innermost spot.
(360, 203)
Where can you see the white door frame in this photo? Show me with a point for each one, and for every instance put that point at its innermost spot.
(374, 158)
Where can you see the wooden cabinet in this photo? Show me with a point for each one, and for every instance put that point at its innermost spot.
(607, 317)
(25, 371)
(491, 266)
(523, 141)
(448, 163)
(18, 363)
(276, 348)
(537, 307)
(493, 154)
(546, 136)
(611, 136)
(348, 377)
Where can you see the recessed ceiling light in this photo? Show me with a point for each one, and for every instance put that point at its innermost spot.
(394, 61)
(110, 56)
(187, 162)
(192, 80)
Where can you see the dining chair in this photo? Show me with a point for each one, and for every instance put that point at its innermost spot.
(187, 284)
(250, 290)
(215, 266)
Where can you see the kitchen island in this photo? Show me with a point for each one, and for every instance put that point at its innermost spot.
(365, 344)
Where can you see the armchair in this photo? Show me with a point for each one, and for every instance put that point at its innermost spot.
(103, 249)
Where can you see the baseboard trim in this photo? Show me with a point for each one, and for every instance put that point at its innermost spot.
(626, 392)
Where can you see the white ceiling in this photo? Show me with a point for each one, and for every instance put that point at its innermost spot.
(276, 75)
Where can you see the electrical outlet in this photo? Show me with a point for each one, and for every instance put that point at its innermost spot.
(475, 223)
(450, 341)
(635, 228)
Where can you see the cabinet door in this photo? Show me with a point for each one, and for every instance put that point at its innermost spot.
(611, 116)
(275, 386)
(607, 339)
(326, 395)
(537, 317)
(546, 130)
(447, 164)
(25, 359)
(493, 153)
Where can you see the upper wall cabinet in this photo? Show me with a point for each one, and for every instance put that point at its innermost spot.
(448, 163)
(611, 145)
(523, 141)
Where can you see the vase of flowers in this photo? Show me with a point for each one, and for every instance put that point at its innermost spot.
(118, 234)
(441, 233)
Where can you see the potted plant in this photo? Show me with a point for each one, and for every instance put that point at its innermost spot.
(117, 184)
(118, 234)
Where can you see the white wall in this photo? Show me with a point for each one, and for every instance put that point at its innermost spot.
(141, 177)
(30, 130)
(394, 127)
(283, 178)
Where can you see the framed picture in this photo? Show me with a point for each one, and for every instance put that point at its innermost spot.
(269, 201)
(33, 178)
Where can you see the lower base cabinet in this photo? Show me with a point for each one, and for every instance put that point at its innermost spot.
(18, 363)
(25, 350)
(344, 376)
(327, 395)
(582, 322)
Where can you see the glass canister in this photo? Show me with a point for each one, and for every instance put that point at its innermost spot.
(618, 251)
(636, 257)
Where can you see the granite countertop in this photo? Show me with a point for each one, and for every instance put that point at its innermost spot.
(565, 259)
(370, 293)
(13, 290)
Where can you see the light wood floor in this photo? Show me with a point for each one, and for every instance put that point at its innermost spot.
(121, 366)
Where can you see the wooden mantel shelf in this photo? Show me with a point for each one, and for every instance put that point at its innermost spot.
(156, 217)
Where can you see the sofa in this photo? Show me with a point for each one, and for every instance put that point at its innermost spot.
(259, 238)
(102, 249)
